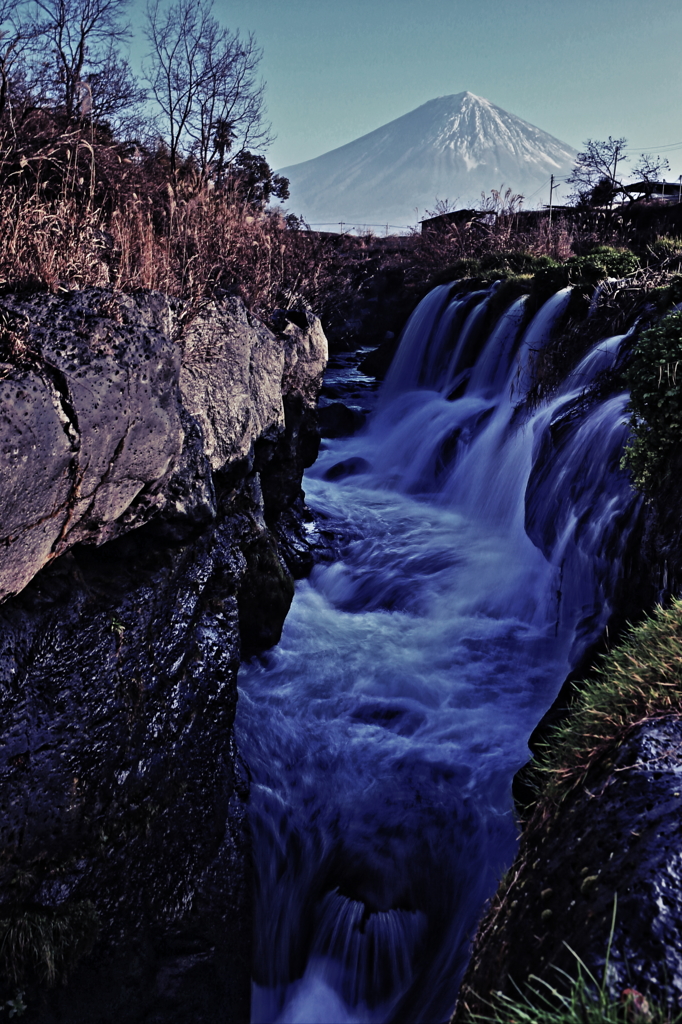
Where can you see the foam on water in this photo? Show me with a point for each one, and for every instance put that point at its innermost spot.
(480, 551)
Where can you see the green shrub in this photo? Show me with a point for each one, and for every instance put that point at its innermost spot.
(667, 247)
(654, 377)
(671, 293)
(614, 262)
(596, 266)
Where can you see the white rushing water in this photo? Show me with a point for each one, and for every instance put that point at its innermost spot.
(480, 551)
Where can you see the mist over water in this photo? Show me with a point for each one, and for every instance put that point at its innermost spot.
(480, 551)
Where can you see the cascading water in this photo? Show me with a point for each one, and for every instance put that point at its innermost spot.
(481, 549)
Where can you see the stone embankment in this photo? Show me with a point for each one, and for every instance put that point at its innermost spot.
(152, 520)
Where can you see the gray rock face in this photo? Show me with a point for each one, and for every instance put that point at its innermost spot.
(91, 428)
(91, 432)
(617, 838)
(151, 485)
(233, 377)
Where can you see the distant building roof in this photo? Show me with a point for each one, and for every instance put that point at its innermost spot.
(660, 189)
(444, 220)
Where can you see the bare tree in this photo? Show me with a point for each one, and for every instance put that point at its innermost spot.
(116, 97)
(15, 35)
(82, 37)
(648, 171)
(203, 79)
(594, 177)
(443, 206)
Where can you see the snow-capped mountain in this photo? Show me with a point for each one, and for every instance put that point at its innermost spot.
(453, 147)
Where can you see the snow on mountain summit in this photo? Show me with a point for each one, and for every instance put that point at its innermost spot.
(453, 147)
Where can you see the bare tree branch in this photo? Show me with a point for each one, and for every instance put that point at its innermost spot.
(117, 97)
(82, 35)
(596, 169)
(596, 179)
(203, 79)
(649, 170)
(15, 36)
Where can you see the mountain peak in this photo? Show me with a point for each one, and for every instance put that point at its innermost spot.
(451, 147)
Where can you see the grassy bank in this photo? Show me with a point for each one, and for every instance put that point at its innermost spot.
(565, 891)
(639, 680)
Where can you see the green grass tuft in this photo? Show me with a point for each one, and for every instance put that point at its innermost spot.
(542, 1003)
(640, 679)
(44, 945)
(655, 404)
(575, 999)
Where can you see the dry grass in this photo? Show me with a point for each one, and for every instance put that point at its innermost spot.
(78, 209)
(183, 247)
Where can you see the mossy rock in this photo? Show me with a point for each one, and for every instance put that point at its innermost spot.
(516, 262)
(655, 382)
(494, 266)
(461, 270)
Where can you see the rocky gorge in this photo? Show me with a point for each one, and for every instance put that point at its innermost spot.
(357, 806)
(152, 523)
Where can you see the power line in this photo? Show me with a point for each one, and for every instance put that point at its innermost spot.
(650, 149)
(356, 224)
(540, 188)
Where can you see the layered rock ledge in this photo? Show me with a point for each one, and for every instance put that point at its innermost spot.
(152, 519)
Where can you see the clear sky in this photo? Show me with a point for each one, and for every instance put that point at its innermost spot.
(337, 69)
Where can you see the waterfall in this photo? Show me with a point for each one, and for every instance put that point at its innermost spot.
(481, 546)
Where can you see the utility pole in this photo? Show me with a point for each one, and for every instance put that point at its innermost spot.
(679, 197)
(613, 179)
(551, 190)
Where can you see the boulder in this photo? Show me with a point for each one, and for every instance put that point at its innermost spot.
(611, 846)
(337, 420)
(90, 427)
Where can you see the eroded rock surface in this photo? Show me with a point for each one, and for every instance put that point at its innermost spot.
(90, 423)
(616, 838)
(151, 494)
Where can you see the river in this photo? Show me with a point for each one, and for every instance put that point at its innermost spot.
(480, 547)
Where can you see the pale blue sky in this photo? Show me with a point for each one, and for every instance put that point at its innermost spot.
(336, 69)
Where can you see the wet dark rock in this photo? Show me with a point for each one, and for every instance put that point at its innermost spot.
(349, 467)
(337, 420)
(302, 539)
(377, 362)
(265, 594)
(150, 553)
(616, 838)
